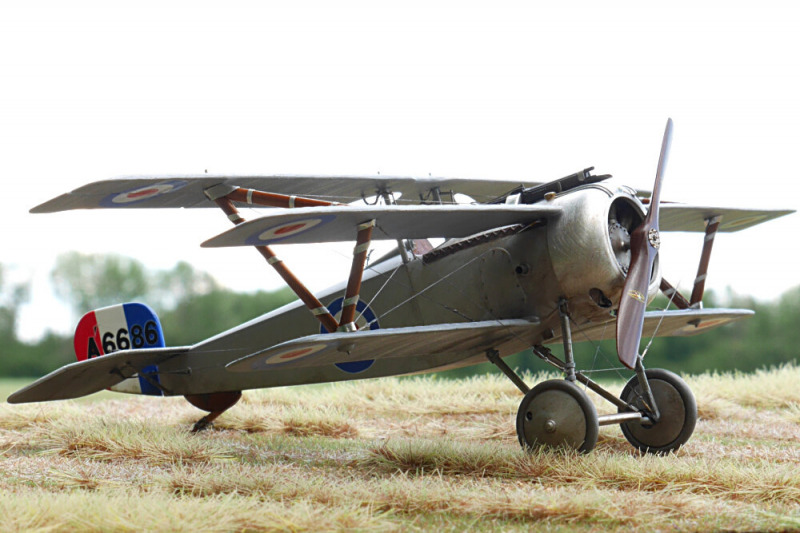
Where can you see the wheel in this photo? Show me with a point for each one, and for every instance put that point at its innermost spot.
(557, 413)
(676, 405)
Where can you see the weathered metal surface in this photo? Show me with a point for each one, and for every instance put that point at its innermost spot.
(619, 418)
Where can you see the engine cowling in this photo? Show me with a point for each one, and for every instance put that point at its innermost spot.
(589, 246)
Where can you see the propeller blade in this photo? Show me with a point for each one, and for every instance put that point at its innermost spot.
(645, 242)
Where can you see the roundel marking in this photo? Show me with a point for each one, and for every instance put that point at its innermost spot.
(365, 315)
(292, 354)
(292, 229)
(694, 328)
(285, 230)
(141, 194)
(355, 367)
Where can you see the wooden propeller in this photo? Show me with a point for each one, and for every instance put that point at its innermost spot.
(645, 242)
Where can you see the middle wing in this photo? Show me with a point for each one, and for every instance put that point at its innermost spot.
(338, 223)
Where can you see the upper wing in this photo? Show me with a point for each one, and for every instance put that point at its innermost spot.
(679, 323)
(679, 217)
(187, 191)
(92, 375)
(469, 338)
(338, 223)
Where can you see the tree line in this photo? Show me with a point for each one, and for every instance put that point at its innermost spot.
(190, 304)
(193, 306)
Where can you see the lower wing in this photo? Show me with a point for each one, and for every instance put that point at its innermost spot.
(341, 348)
(680, 323)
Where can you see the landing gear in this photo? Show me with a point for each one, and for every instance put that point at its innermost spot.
(557, 413)
(677, 412)
(656, 410)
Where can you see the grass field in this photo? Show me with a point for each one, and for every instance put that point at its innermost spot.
(395, 455)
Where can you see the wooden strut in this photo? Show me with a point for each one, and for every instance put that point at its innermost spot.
(712, 225)
(270, 199)
(356, 274)
(317, 309)
(674, 296)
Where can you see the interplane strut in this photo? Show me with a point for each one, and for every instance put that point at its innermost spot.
(696, 299)
(363, 240)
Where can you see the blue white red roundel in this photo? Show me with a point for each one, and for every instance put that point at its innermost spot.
(365, 319)
(285, 230)
(293, 354)
(365, 316)
(141, 194)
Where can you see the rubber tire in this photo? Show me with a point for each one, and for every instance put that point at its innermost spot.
(567, 405)
(676, 405)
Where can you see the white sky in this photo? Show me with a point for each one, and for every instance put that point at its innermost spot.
(459, 89)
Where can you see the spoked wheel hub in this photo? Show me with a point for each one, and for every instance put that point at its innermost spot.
(556, 413)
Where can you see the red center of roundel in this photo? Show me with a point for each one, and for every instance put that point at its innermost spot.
(145, 192)
(296, 353)
(290, 228)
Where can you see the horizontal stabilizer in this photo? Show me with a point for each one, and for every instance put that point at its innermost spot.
(92, 375)
(332, 224)
(469, 338)
(679, 217)
(188, 191)
(678, 323)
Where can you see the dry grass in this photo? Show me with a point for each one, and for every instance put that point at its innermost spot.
(392, 454)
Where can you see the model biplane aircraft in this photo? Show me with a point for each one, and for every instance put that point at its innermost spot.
(524, 266)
